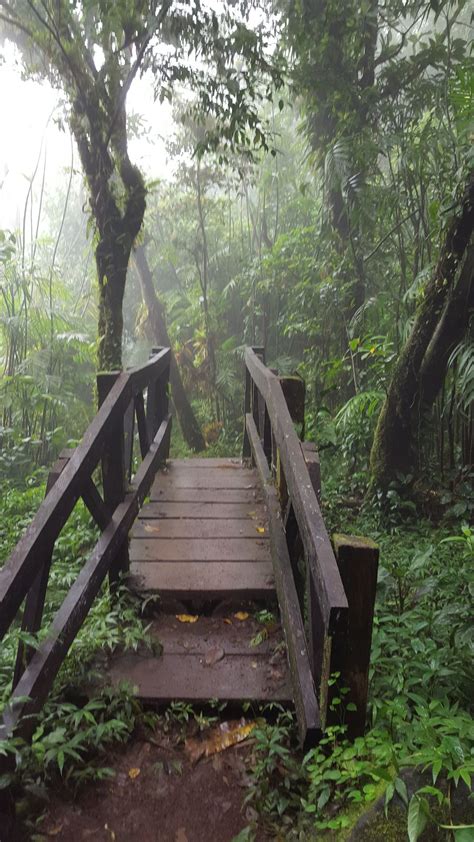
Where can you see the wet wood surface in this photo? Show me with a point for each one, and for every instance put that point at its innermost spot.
(203, 545)
(211, 658)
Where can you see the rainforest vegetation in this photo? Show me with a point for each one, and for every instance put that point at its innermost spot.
(318, 201)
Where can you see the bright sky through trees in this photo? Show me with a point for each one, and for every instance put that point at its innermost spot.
(35, 109)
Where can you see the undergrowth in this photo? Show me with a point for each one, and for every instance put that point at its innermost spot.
(80, 718)
(420, 697)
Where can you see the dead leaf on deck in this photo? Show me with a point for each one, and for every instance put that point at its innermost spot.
(260, 529)
(213, 656)
(56, 830)
(227, 621)
(224, 736)
(187, 618)
(241, 615)
(133, 773)
(149, 528)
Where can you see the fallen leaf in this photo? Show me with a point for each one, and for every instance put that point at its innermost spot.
(133, 773)
(56, 830)
(224, 736)
(187, 618)
(112, 834)
(227, 621)
(241, 615)
(260, 529)
(213, 656)
(149, 528)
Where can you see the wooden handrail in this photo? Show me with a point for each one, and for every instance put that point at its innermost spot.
(24, 562)
(26, 572)
(320, 556)
(314, 607)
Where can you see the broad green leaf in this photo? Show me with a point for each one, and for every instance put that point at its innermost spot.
(417, 817)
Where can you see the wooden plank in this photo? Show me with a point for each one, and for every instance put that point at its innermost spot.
(157, 398)
(188, 678)
(199, 549)
(96, 506)
(142, 375)
(143, 432)
(225, 463)
(164, 490)
(318, 549)
(35, 599)
(311, 458)
(304, 691)
(114, 474)
(194, 528)
(233, 636)
(212, 511)
(35, 683)
(357, 560)
(191, 579)
(213, 478)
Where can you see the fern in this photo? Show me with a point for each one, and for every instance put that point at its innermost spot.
(362, 404)
(463, 359)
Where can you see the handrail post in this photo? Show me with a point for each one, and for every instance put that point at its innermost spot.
(357, 560)
(157, 403)
(246, 449)
(114, 476)
(251, 402)
(294, 390)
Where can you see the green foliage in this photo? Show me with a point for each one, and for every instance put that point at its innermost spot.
(420, 692)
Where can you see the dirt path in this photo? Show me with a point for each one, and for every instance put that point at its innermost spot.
(158, 794)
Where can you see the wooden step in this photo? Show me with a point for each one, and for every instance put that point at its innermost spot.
(201, 580)
(199, 528)
(212, 658)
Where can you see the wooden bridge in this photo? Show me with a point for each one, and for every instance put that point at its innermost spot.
(215, 537)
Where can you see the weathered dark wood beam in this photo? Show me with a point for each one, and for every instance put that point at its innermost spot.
(302, 681)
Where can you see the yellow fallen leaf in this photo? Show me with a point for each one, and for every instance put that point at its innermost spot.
(227, 621)
(261, 529)
(133, 773)
(241, 615)
(149, 528)
(187, 618)
(224, 736)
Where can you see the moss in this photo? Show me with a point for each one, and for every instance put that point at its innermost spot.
(340, 540)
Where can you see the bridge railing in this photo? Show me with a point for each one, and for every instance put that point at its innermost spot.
(326, 602)
(137, 397)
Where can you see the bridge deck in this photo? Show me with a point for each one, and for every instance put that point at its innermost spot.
(202, 545)
(204, 534)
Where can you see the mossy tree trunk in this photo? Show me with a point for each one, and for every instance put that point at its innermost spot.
(398, 428)
(118, 201)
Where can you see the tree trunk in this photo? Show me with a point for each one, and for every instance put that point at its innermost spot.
(394, 447)
(118, 220)
(187, 420)
(450, 331)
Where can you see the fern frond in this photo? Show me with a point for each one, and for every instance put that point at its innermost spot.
(362, 404)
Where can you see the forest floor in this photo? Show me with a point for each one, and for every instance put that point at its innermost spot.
(159, 793)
